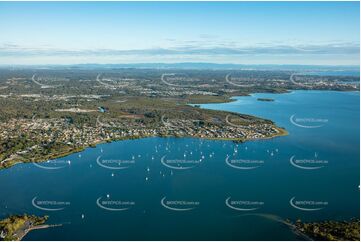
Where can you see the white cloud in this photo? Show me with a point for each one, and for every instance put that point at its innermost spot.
(328, 53)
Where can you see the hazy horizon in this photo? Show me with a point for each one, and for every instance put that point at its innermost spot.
(195, 64)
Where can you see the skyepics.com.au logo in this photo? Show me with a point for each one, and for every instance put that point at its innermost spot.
(114, 205)
(114, 164)
(308, 123)
(308, 164)
(179, 164)
(176, 80)
(179, 205)
(166, 122)
(306, 84)
(104, 124)
(109, 123)
(307, 205)
(110, 83)
(292, 79)
(49, 205)
(53, 164)
(239, 119)
(244, 164)
(173, 124)
(243, 205)
(43, 86)
(237, 81)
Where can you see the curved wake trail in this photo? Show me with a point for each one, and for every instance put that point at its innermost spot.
(278, 219)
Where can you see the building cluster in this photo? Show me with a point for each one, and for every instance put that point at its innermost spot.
(219, 130)
(52, 136)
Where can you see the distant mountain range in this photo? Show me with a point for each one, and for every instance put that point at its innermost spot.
(198, 65)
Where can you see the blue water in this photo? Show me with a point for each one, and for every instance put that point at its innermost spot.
(331, 190)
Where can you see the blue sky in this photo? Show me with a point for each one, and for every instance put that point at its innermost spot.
(314, 33)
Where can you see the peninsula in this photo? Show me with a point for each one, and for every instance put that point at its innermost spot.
(17, 226)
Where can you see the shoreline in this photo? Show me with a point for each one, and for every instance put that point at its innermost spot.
(37, 227)
(229, 99)
(16, 227)
(282, 132)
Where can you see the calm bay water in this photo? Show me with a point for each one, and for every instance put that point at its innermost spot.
(184, 188)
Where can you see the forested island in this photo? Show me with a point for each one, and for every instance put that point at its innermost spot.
(265, 99)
